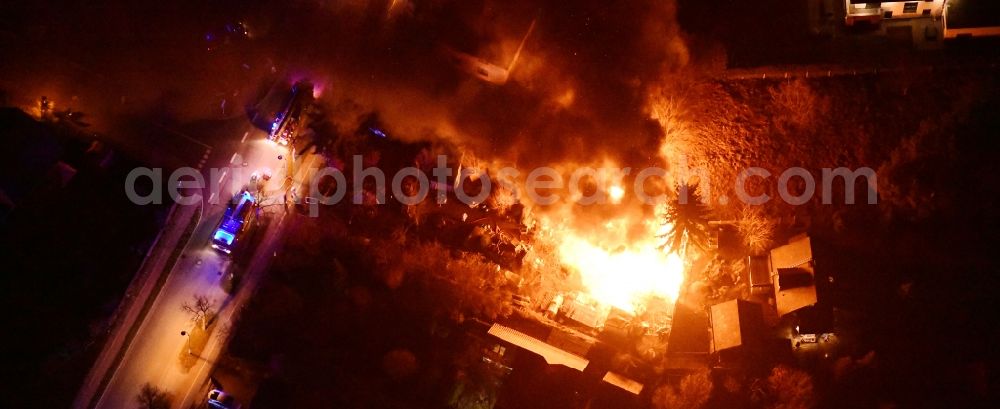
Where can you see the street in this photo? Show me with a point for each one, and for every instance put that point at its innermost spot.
(521, 205)
(153, 354)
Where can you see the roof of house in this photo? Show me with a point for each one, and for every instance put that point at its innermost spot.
(726, 326)
(623, 382)
(793, 275)
(973, 14)
(551, 354)
(735, 323)
(794, 254)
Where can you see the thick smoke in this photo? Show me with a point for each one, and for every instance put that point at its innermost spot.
(577, 93)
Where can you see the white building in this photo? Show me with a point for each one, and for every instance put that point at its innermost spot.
(971, 18)
(875, 11)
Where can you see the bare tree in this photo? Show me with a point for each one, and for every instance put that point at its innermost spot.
(199, 308)
(693, 392)
(790, 388)
(151, 397)
(465, 284)
(797, 104)
(757, 230)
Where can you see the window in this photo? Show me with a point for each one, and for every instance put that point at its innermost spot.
(887, 15)
(927, 12)
(910, 7)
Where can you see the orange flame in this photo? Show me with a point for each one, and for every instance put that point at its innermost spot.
(619, 272)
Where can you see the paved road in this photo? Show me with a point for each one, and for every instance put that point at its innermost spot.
(153, 355)
(193, 390)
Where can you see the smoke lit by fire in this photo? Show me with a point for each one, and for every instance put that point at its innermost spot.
(577, 95)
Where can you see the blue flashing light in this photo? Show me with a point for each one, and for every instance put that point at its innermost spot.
(224, 236)
(245, 197)
(377, 132)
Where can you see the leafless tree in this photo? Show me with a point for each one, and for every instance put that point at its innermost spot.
(200, 307)
(757, 230)
(693, 392)
(790, 388)
(797, 104)
(151, 397)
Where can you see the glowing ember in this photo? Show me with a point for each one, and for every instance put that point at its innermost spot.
(616, 193)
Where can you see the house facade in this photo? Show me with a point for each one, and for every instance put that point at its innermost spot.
(873, 12)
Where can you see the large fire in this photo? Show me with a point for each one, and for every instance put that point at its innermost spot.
(623, 278)
(619, 272)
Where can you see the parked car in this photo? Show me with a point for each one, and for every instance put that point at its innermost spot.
(218, 399)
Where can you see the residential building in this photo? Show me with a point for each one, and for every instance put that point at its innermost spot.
(793, 275)
(736, 324)
(553, 355)
(788, 273)
(971, 18)
(625, 383)
(738, 333)
(873, 12)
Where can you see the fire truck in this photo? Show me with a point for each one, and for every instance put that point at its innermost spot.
(291, 119)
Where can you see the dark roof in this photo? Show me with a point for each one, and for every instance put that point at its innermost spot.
(973, 13)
